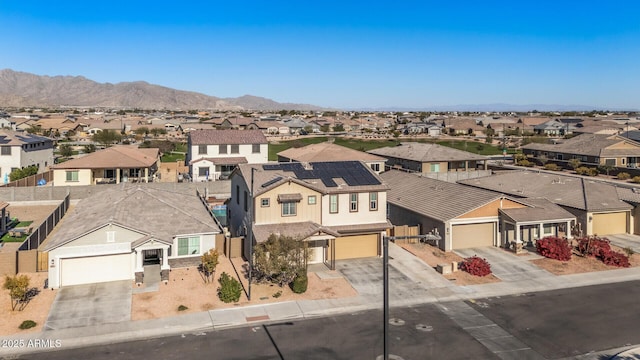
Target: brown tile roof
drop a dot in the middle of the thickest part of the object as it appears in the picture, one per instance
(301, 230)
(575, 192)
(422, 152)
(234, 160)
(327, 151)
(114, 157)
(538, 210)
(436, 199)
(159, 213)
(588, 144)
(361, 228)
(8, 137)
(217, 137)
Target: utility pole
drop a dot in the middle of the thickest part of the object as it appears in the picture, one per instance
(385, 279)
(250, 233)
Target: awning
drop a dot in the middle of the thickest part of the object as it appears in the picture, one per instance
(289, 197)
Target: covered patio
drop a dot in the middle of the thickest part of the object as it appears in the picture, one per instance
(521, 227)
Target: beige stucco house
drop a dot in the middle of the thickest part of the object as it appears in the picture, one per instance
(338, 207)
(109, 166)
(328, 151)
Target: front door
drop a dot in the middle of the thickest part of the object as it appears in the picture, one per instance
(152, 257)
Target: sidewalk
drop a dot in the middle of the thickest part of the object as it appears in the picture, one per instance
(440, 290)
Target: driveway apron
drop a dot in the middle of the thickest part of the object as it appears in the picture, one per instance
(87, 305)
(506, 265)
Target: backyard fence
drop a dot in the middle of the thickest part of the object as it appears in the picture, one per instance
(33, 241)
(31, 180)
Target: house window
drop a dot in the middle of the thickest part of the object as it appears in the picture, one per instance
(353, 202)
(548, 229)
(108, 173)
(434, 167)
(610, 162)
(111, 236)
(238, 194)
(5, 150)
(72, 176)
(288, 209)
(255, 148)
(311, 200)
(333, 204)
(375, 167)
(203, 171)
(246, 201)
(373, 201)
(235, 149)
(189, 246)
(264, 202)
(202, 149)
(222, 149)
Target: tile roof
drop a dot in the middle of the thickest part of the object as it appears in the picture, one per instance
(159, 213)
(232, 160)
(588, 144)
(422, 152)
(360, 228)
(327, 151)
(16, 138)
(629, 195)
(266, 177)
(436, 199)
(539, 210)
(301, 230)
(217, 137)
(114, 157)
(575, 192)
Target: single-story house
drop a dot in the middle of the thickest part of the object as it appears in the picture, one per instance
(119, 234)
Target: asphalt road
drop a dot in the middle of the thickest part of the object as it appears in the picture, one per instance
(555, 324)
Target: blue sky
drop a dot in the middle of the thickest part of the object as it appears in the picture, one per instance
(344, 54)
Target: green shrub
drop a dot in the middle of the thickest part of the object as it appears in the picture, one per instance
(299, 284)
(230, 288)
(583, 170)
(525, 162)
(277, 294)
(552, 167)
(636, 179)
(629, 251)
(182, 308)
(27, 324)
(623, 176)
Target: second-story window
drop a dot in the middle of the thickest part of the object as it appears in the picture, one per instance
(264, 202)
(246, 201)
(5, 150)
(255, 148)
(222, 149)
(235, 149)
(353, 202)
(333, 204)
(289, 209)
(202, 149)
(238, 194)
(373, 201)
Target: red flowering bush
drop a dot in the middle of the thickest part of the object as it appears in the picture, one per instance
(476, 266)
(554, 248)
(600, 248)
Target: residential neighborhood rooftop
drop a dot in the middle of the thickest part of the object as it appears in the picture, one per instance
(113, 157)
(161, 214)
(539, 209)
(424, 152)
(327, 151)
(587, 144)
(8, 137)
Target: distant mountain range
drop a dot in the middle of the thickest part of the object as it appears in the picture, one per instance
(20, 89)
(500, 108)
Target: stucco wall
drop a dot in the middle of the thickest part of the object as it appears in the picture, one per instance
(363, 216)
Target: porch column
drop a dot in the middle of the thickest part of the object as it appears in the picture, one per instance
(165, 258)
(485, 164)
(139, 266)
(569, 236)
(540, 231)
(118, 176)
(517, 233)
(466, 165)
(146, 175)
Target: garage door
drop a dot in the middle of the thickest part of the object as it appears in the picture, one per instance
(472, 235)
(95, 269)
(358, 246)
(611, 223)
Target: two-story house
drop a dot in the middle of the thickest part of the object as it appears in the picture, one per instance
(213, 154)
(338, 207)
(19, 150)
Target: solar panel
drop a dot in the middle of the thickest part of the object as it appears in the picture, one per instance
(354, 173)
(271, 167)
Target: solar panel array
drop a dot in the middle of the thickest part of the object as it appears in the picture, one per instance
(354, 173)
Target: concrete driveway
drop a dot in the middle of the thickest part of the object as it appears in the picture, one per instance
(506, 265)
(87, 305)
(626, 240)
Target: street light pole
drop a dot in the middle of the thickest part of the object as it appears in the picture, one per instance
(250, 234)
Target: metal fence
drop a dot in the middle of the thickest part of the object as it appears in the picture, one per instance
(31, 180)
(40, 233)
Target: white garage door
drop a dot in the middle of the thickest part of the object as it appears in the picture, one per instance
(472, 235)
(95, 269)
